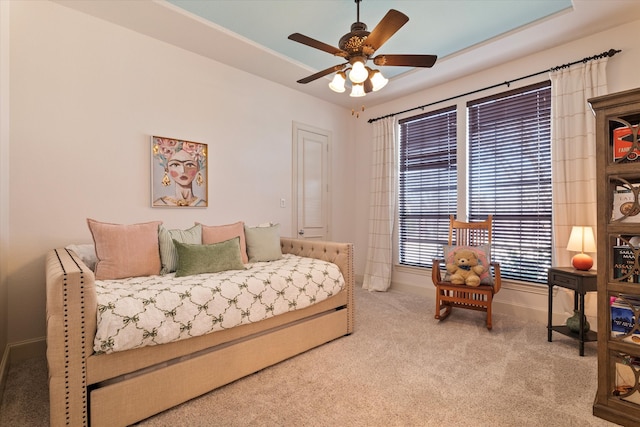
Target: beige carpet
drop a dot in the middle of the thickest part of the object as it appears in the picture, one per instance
(400, 368)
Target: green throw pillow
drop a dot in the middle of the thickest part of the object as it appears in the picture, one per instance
(263, 243)
(212, 258)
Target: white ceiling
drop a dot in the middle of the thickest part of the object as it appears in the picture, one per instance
(467, 35)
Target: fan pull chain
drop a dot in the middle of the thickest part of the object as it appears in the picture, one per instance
(357, 113)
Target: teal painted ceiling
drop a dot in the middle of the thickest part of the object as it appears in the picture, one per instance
(439, 27)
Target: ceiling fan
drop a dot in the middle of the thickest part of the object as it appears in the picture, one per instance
(357, 47)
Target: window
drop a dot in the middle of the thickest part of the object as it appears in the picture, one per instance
(427, 185)
(510, 177)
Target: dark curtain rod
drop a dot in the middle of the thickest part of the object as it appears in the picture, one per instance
(608, 53)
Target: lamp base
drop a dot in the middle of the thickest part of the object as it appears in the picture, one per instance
(582, 262)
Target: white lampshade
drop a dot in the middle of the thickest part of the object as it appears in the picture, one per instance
(358, 73)
(581, 240)
(378, 80)
(357, 90)
(337, 84)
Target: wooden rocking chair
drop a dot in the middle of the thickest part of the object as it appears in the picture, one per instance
(448, 295)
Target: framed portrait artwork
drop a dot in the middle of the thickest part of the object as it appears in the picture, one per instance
(178, 173)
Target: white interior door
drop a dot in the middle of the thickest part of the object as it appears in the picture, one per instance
(311, 184)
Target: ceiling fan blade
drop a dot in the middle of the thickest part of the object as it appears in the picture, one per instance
(322, 73)
(300, 38)
(387, 27)
(368, 86)
(406, 60)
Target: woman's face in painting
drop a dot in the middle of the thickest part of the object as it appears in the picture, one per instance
(182, 168)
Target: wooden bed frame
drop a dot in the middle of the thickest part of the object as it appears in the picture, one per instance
(125, 387)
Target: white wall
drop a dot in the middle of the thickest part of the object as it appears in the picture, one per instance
(85, 97)
(622, 72)
(4, 181)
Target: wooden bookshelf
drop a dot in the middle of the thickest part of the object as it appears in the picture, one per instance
(618, 238)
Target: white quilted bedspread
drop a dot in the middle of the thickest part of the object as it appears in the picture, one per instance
(151, 310)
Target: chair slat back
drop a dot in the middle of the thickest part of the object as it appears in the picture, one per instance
(470, 233)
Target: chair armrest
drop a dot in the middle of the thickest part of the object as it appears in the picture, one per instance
(497, 283)
(436, 276)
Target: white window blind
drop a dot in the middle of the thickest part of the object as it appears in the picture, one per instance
(510, 177)
(427, 185)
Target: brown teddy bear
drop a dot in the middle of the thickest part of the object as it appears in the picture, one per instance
(465, 268)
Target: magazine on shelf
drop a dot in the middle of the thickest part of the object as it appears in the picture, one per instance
(622, 142)
(623, 318)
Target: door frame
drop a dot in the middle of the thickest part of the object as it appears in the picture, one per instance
(296, 128)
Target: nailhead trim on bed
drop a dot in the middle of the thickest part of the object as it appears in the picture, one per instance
(350, 290)
(67, 357)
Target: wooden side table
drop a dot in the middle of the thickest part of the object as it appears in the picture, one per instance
(580, 282)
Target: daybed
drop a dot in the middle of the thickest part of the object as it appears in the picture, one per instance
(121, 388)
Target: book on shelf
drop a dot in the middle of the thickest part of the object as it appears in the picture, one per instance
(624, 261)
(625, 208)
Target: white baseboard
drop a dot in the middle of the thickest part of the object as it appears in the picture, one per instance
(521, 312)
(412, 289)
(517, 311)
(28, 349)
(17, 352)
(535, 313)
(4, 370)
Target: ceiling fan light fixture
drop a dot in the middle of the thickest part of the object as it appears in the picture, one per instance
(337, 84)
(359, 46)
(357, 90)
(358, 73)
(378, 80)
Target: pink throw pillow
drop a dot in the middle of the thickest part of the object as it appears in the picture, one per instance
(220, 233)
(125, 250)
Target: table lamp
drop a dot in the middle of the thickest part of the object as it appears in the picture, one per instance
(581, 240)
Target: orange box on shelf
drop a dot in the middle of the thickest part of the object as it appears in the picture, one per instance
(622, 142)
